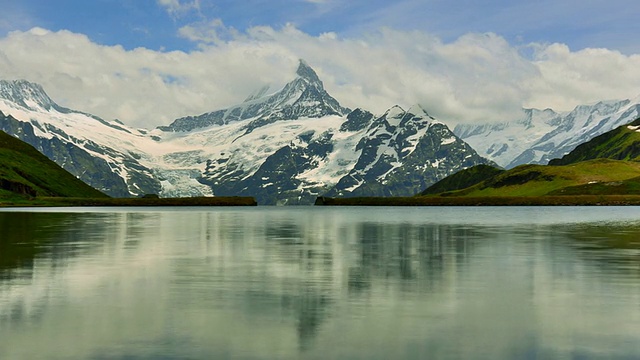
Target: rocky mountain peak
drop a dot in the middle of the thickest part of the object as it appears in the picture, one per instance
(394, 111)
(419, 111)
(306, 72)
(25, 94)
(304, 96)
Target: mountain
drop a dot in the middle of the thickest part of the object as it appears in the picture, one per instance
(294, 161)
(592, 177)
(606, 165)
(25, 172)
(622, 143)
(286, 147)
(103, 154)
(402, 153)
(303, 97)
(542, 135)
(298, 143)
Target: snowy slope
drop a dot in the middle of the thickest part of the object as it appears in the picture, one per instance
(287, 147)
(542, 135)
(116, 159)
(403, 152)
(298, 143)
(103, 154)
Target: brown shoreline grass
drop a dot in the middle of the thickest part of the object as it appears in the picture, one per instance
(577, 200)
(126, 202)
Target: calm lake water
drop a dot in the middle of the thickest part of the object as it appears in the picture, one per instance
(320, 283)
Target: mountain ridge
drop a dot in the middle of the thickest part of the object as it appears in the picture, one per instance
(541, 135)
(608, 164)
(621, 143)
(99, 152)
(287, 147)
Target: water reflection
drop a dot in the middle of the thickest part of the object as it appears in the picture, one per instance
(613, 248)
(317, 283)
(27, 236)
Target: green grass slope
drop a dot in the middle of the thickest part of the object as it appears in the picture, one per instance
(592, 182)
(603, 171)
(622, 143)
(26, 173)
(463, 179)
(593, 177)
(608, 164)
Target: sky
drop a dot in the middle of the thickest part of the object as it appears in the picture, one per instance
(147, 62)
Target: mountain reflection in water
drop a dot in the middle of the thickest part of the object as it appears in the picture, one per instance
(373, 283)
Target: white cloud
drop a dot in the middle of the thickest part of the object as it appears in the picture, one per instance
(179, 7)
(478, 77)
(569, 78)
(211, 32)
(141, 86)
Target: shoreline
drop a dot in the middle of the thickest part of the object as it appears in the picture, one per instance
(563, 200)
(130, 202)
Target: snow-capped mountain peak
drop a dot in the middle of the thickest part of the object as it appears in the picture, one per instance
(286, 147)
(26, 94)
(418, 110)
(394, 112)
(303, 97)
(306, 72)
(104, 154)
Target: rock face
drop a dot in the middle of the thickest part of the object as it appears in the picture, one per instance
(542, 135)
(287, 147)
(100, 153)
(402, 153)
(396, 154)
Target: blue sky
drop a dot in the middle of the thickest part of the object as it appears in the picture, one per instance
(147, 62)
(154, 24)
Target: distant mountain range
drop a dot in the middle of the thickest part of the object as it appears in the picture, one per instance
(285, 147)
(542, 135)
(605, 165)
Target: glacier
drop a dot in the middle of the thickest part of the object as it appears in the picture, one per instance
(285, 147)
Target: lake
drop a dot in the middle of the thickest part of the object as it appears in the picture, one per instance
(320, 283)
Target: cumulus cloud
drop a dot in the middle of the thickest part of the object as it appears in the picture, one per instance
(568, 78)
(478, 77)
(141, 87)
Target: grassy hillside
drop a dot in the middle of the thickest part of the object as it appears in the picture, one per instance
(593, 182)
(609, 164)
(26, 173)
(463, 179)
(603, 171)
(622, 143)
(603, 176)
